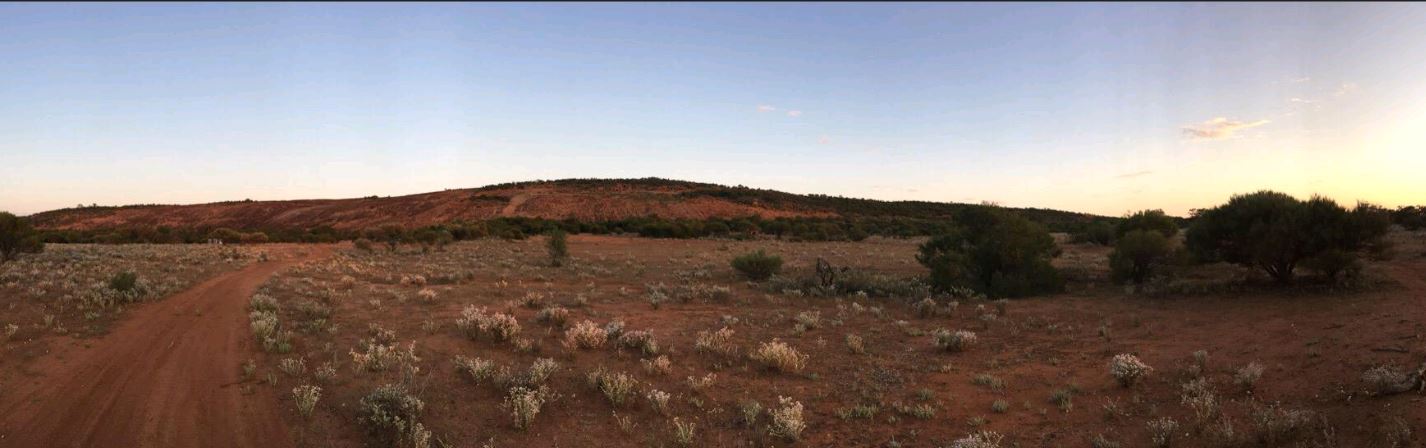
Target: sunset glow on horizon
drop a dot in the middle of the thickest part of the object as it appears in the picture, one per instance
(1097, 108)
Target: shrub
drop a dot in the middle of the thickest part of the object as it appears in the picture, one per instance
(1098, 232)
(779, 356)
(585, 335)
(787, 420)
(556, 316)
(362, 244)
(390, 412)
(262, 302)
(540, 370)
(642, 340)
(1127, 369)
(124, 281)
(1161, 431)
(558, 246)
(1277, 233)
(748, 412)
(1248, 376)
(757, 266)
(1137, 255)
(1199, 397)
(615, 386)
(719, 342)
(994, 252)
(658, 366)
(1384, 380)
(855, 344)
(956, 341)
(1276, 424)
(17, 236)
(658, 400)
(306, 397)
(524, 404)
(226, 235)
(983, 439)
(498, 326)
(479, 370)
(683, 433)
(1149, 221)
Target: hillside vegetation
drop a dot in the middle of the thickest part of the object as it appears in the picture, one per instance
(651, 207)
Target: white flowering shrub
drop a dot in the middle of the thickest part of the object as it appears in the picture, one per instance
(787, 420)
(779, 356)
(1127, 369)
(585, 335)
(953, 341)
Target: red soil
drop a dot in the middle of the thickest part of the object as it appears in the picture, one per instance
(167, 376)
(609, 202)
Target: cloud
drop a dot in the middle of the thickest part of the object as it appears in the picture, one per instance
(1134, 174)
(1301, 100)
(825, 140)
(794, 113)
(1219, 128)
(1347, 88)
(1300, 80)
(766, 108)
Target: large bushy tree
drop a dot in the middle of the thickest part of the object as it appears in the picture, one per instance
(1142, 245)
(17, 236)
(1278, 233)
(995, 252)
(1148, 220)
(1138, 255)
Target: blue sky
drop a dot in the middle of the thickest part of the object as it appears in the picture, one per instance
(1103, 108)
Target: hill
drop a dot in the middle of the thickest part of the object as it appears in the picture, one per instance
(568, 200)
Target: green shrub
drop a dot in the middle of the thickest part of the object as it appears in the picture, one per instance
(994, 252)
(1410, 217)
(123, 281)
(391, 234)
(362, 244)
(17, 237)
(226, 235)
(389, 412)
(757, 266)
(1277, 233)
(1137, 255)
(1098, 232)
(1148, 220)
(558, 247)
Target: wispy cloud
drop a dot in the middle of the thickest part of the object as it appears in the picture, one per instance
(1134, 174)
(794, 113)
(1300, 80)
(1219, 128)
(1301, 100)
(766, 108)
(1347, 88)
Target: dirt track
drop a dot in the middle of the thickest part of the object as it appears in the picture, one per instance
(168, 376)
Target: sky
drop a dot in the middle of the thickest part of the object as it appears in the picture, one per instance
(1099, 108)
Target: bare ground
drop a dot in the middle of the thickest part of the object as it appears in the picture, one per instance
(166, 376)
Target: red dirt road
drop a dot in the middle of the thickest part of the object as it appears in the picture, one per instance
(169, 375)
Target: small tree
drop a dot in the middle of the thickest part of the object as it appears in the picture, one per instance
(1276, 233)
(1098, 232)
(994, 252)
(391, 234)
(558, 246)
(1137, 255)
(757, 266)
(17, 237)
(1150, 220)
(226, 235)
